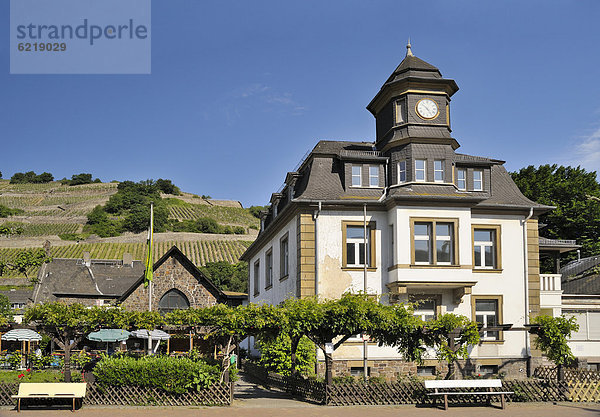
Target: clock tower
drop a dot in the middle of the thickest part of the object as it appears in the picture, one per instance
(413, 105)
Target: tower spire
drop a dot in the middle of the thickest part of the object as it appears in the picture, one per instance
(408, 50)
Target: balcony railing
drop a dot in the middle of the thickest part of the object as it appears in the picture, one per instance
(550, 282)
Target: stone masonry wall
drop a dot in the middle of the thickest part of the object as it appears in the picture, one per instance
(393, 370)
(171, 274)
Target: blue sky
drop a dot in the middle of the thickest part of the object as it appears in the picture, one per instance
(241, 90)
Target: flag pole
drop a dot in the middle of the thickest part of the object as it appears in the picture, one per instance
(150, 256)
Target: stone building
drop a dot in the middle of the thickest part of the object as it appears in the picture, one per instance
(409, 219)
(177, 283)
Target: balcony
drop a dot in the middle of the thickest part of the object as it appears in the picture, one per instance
(550, 291)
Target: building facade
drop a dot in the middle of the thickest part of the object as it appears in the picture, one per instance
(409, 219)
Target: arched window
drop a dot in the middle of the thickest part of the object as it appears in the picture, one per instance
(173, 300)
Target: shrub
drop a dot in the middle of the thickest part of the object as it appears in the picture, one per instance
(276, 355)
(176, 375)
(7, 211)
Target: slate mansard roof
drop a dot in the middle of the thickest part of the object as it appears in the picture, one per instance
(325, 173)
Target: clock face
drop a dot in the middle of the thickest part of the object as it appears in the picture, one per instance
(427, 109)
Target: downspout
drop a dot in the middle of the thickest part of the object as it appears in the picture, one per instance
(366, 260)
(526, 286)
(316, 220)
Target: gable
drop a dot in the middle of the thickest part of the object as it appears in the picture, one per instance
(174, 271)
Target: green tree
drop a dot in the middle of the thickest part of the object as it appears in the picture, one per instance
(451, 335)
(167, 187)
(227, 326)
(276, 355)
(226, 276)
(576, 195)
(79, 179)
(24, 260)
(331, 322)
(255, 210)
(5, 310)
(553, 334)
(67, 325)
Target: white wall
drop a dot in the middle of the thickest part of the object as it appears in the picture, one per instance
(281, 289)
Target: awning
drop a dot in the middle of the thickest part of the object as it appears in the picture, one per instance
(21, 335)
(156, 334)
(109, 335)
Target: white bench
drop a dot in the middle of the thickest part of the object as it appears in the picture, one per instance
(458, 387)
(50, 390)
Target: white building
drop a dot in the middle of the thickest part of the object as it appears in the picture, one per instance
(446, 229)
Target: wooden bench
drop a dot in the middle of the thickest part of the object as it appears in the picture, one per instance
(458, 387)
(51, 390)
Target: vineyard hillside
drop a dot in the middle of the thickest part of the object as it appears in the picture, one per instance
(54, 212)
(199, 252)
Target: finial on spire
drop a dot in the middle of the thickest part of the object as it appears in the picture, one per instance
(408, 50)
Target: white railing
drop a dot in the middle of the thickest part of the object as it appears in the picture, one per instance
(550, 282)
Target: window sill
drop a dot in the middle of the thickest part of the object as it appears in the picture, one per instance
(256, 294)
(358, 268)
(492, 270)
(283, 278)
(269, 287)
(434, 266)
(491, 342)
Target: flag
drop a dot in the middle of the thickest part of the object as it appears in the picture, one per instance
(149, 263)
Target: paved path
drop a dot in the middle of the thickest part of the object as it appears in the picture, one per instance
(247, 394)
(512, 410)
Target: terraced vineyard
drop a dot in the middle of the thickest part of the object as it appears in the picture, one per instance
(44, 229)
(223, 215)
(199, 252)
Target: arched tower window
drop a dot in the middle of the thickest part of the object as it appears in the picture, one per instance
(173, 300)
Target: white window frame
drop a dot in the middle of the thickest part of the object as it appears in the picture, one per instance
(269, 268)
(437, 171)
(478, 183)
(432, 238)
(422, 313)
(462, 180)
(423, 170)
(401, 172)
(256, 277)
(428, 239)
(358, 251)
(284, 257)
(485, 314)
(357, 176)
(374, 179)
(485, 244)
(450, 238)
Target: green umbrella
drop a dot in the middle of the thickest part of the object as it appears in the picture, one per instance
(109, 335)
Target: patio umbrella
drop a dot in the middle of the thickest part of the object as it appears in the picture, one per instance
(109, 335)
(22, 335)
(156, 335)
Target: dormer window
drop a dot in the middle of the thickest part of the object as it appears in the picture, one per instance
(374, 176)
(478, 180)
(461, 179)
(438, 170)
(420, 170)
(401, 172)
(356, 175)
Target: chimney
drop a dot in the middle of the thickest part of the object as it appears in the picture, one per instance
(87, 259)
(127, 259)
